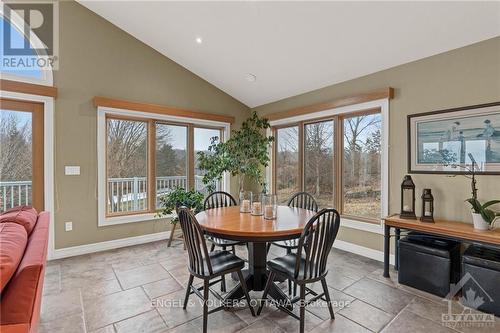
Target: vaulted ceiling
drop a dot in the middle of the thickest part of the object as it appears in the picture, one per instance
(260, 52)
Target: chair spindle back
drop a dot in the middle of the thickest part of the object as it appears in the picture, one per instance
(315, 244)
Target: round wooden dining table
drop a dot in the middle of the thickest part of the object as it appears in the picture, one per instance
(229, 223)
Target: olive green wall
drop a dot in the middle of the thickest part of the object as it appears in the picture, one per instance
(466, 76)
(97, 58)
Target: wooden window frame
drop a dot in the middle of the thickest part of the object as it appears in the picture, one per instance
(338, 153)
(37, 137)
(151, 156)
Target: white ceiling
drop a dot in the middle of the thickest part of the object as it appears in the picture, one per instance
(295, 47)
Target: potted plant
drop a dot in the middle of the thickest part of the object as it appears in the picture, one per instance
(179, 197)
(482, 216)
(245, 154)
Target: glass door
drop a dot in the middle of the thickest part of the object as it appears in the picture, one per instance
(21, 154)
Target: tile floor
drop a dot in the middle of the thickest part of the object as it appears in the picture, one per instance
(141, 288)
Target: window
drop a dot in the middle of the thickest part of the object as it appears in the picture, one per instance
(202, 140)
(147, 158)
(127, 165)
(171, 163)
(287, 162)
(361, 166)
(336, 159)
(319, 162)
(21, 158)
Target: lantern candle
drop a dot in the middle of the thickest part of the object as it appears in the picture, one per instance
(407, 198)
(427, 206)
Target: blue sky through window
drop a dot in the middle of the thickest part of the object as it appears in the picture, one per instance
(17, 40)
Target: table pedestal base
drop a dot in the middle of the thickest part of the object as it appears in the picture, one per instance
(257, 274)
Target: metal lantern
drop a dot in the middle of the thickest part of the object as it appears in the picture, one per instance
(408, 198)
(427, 206)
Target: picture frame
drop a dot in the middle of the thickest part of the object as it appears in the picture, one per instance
(441, 142)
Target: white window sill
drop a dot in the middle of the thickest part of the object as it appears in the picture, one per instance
(107, 221)
(376, 228)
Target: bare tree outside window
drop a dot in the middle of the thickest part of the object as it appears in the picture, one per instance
(361, 166)
(319, 162)
(287, 162)
(171, 158)
(127, 165)
(16, 160)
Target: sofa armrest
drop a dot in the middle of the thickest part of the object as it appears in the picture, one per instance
(20, 303)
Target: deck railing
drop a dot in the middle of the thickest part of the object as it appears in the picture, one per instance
(129, 194)
(124, 194)
(14, 194)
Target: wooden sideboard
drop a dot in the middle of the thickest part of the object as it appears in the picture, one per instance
(449, 229)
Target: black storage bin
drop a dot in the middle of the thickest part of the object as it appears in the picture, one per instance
(481, 274)
(428, 263)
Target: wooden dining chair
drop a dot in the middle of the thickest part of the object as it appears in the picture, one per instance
(217, 200)
(302, 200)
(207, 265)
(308, 265)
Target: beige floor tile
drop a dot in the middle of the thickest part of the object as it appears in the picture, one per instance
(408, 322)
(366, 315)
(290, 324)
(170, 308)
(221, 322)
(107, 329)
(338, 281)
(141, 275)
(340, 325)
(263, 326)
(92, 288)
(149, 322)
(338, 298)
(60, 305)
(380, 295)
(105, 310)
(66, 324)
(162, 287)
(432, 310)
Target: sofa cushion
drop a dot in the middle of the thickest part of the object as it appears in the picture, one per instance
(13, 239)
(20, 302)
(23, 215)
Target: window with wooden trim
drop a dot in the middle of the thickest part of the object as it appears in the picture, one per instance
(337, 159)
(147, 158)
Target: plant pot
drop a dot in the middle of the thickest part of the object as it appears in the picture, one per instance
(479, 222)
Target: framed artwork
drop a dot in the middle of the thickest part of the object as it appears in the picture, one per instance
(445, 141)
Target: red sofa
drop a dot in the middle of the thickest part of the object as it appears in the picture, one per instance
(23, 254)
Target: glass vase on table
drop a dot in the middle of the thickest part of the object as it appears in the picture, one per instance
(246, 201)
(270, 206)
(257, 208)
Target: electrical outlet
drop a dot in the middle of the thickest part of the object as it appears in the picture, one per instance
(68, 226)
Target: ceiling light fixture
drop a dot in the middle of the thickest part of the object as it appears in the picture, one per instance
(199, 40)
(250, 77)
